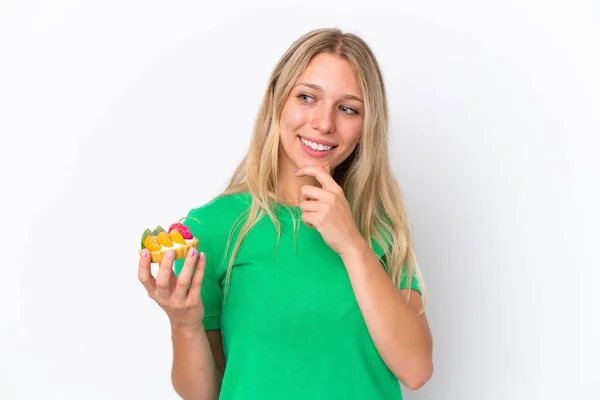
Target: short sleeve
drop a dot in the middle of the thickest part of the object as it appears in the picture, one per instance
(404, 284)
(211, 291)
(414, 284)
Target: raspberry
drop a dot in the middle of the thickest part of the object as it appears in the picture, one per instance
(175, 226)
(184, 230)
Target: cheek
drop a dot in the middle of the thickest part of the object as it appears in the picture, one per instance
(292, 118)
(352, 132)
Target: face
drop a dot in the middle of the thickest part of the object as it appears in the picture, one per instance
(321, 120)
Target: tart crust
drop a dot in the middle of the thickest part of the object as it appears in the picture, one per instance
(180, 252)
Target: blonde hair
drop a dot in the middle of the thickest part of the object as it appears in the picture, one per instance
(366, 176)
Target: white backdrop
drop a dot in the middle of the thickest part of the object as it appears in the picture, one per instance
(121, 115)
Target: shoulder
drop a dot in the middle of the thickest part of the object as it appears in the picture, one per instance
(218, 216)
(222, 207)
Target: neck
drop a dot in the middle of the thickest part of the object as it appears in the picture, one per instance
(289, 185)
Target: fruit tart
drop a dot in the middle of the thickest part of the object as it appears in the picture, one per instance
(178, 238)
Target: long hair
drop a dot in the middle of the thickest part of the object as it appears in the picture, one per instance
(374, 195)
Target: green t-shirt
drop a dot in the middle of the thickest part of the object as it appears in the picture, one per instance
(290, 323)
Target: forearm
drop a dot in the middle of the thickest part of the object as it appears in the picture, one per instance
(194, 374)
(401, 336)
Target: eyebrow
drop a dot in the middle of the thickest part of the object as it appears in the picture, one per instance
(320, 89)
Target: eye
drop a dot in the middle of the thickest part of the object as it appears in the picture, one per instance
(305, 98)
(348, 110)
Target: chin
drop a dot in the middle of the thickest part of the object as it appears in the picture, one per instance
(312, 163)
(304, 160)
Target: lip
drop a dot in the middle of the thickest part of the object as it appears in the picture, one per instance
(318, 141)
(314, 153)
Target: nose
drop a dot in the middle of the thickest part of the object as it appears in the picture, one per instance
(323, 120)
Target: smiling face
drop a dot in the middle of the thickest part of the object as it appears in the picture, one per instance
(322, 118)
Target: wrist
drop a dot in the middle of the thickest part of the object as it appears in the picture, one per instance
(185, 330)
(355, 248)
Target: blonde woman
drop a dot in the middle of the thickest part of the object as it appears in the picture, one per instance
(306, 284)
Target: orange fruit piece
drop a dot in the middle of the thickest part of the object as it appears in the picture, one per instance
(151, 243)
(176, 237)
(165, 239)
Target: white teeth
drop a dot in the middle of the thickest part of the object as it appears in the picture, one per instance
(316, 146)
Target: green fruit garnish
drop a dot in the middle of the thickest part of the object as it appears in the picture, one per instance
(158, 230)
(146, 233)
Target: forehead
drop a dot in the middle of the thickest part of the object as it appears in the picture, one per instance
(334, 74)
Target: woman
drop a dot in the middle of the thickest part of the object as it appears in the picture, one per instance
(306, 286)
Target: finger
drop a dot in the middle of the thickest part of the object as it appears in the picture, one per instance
(312, 206)
(309, 192)
(165, 276)
(322, 175)
(311, 219)
(145, 274)
(185, 276)
(197, 278)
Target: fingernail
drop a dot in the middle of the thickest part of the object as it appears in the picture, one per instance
(170, 254)
(202, 256)
(192, 252)
(145, 253)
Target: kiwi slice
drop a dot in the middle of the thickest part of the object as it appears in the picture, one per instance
(146, 233)
(158, 230)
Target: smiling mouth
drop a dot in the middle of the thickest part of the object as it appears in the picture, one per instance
(316, 146)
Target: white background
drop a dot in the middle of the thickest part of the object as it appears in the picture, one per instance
(121, 115)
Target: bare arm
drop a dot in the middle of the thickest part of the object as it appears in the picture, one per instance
(198, 363)
(402, 337)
